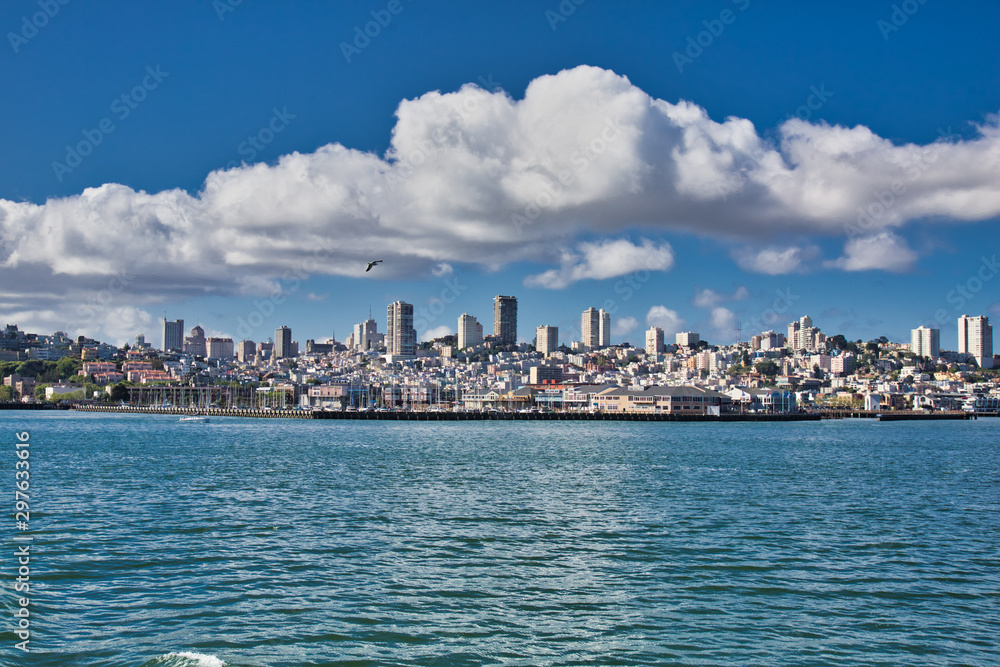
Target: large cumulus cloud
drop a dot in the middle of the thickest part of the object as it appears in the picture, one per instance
(479, 178)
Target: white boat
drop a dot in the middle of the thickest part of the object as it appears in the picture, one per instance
(194, 418)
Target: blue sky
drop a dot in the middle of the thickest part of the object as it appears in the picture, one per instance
(244, 161)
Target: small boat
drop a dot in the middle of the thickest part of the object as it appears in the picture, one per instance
(199, 419)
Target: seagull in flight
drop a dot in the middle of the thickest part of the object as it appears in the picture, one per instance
(371, 264)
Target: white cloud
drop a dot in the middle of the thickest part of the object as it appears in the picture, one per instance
(707, 298)
(436, 332)
(723, 323)
(885, 251)
(623, 326)
(776, 261)
(605, 259)
(666, 319)
(585, 154)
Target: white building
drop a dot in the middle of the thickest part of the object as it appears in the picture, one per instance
(470, 331)
(590, 327)
(366, 336)
(546, 339)
(687, 338)
(604, 328)
(654, 341)
(975, 338)
(925, 342)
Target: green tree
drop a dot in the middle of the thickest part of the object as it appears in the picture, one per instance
(119, 392)
(6, 393)
(67, 367)
(768, 368)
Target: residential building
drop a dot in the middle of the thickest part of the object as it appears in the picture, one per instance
(604, 328)
(590, 326)
(470, 331)
(400, 336)
(282, 342)
(654, 341)
(173, 335)
(545, 374)
(687, 338)
(546, 339)
(975, 339)
(219, 348)
(505, 319)
(245, 351)
(925, 342)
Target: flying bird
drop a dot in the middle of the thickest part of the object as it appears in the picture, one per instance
(371, 264)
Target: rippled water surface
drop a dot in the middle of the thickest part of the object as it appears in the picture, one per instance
(285, 542)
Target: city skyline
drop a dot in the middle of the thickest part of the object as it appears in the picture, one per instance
(652, 161)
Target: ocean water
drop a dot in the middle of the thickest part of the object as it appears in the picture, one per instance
(287, 542)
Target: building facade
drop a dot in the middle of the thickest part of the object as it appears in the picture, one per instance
(195, 344)
(546, 339)
(400, 336)
(654, 341)
(925, 342)
(975, 339)
(590, 328)
(604, 328)
(470, 331)
(505, 319)
(282, 342)
(173, 335)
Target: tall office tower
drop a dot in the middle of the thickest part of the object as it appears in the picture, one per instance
(975, 338)
(245, 351)
(365, 335)
(546, 339)
(505, 319)
(590, 328)
(400, 336)
(925, 342)
(654, 341)
(604, 334)
(470, 331)
(282, 342)
(195, 344)
(173, 335)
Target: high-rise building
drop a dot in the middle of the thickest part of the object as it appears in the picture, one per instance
(173, 335)
(245, 351)
(802, 335)
(505, 319)
(546, 339)
(400, 336)
(590, 328)
(687, 338)
(975, 339)
(366, 335)
(654, 341)
(282, 342)
(219, 348)
(470, 331)
(195, 344)
(604, 333)
(925, 342)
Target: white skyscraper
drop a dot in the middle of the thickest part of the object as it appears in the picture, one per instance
(604, 332)
(925, 342)
(470, 331)
(546, 339)
(590, 328)
(400, 336)
(366, 335)
(975, 338)
(654, 341)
